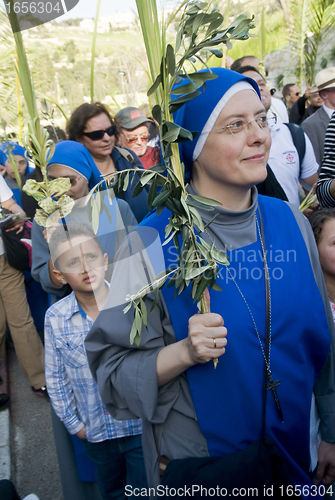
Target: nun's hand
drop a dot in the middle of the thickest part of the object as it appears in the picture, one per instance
(48, 231)
(325, 470)
(206, 337)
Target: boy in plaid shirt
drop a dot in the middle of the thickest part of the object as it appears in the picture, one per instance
(114, 446)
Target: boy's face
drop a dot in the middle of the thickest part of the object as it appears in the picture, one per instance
(81, 264)
(20, 163)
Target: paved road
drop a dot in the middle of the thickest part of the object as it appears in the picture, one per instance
(34, 461)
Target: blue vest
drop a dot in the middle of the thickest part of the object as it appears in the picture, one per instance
(228, 400)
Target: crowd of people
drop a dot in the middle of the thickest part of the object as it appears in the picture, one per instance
(124, 414)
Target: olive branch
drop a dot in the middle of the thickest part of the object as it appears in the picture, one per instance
(198, 36)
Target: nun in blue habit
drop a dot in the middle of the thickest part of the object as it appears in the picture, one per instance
(188, 408)
(72, 160)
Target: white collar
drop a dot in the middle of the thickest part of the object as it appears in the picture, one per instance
(328, 110)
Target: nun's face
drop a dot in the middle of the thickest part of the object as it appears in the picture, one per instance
(103, 147)
(79, 185)
(237, 160)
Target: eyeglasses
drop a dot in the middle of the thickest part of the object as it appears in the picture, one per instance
(97, 135)
(134, 138)
(239, 125)
(73, 180)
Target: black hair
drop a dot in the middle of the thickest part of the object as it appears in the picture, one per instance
(244, 69)
(72, 230)
(80, 116)
(286, 89)
(318, 219)
(239, 62)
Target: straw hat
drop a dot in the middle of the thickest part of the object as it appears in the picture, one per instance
(325, 79)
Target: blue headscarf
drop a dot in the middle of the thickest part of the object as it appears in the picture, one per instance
(3, 158)
(194, 114)
(15, 149)
(74, 155)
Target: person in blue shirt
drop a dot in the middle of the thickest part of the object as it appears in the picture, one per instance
(114, 446)
(19, 153)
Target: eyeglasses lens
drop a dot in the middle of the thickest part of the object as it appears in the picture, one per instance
(133, 138)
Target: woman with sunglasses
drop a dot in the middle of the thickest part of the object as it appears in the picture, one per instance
(93, 126)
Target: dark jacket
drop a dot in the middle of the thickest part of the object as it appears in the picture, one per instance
(315, 127)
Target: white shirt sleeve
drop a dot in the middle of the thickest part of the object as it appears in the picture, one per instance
(279, 108)
(309, 165)
(5, 192)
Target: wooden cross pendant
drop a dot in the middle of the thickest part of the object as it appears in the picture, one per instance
(272, 385)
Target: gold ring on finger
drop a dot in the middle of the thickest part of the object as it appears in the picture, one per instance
(214, 341)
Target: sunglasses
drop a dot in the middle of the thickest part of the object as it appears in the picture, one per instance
(133, 138)
(97, 135)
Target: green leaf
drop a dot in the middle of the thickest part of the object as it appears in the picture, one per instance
(201, 288)
(187, 88)
(154, 86)
(176, 242)
(158, 168)
(159, 209)
(95, 217)
(196, 204)
(219, 257)
(161, 197)
(198, 21)
(127, 308)
(216, 287)
(144, 312)
(204, 243)
(172, 134)
(154, 302)
(133, 332)
(185, 207)
(202, 76)
(206, 201)
(169, 238)
(137, 189)
(146, 177)
(152, 193)
(109, 217)
(170, 60)
(185, 98)
(210, 222)
(138, 320)
(196, 271)
(126, 182)
(215, 24)
(216, 52)
(157, 114)
(179, 39)
(197, 219)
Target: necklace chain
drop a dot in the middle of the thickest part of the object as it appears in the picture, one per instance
(272, 384)
(266, 357)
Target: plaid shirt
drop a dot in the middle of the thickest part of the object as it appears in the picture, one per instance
(73, 392)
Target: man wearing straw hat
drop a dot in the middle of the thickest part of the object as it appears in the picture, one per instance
(315, 126)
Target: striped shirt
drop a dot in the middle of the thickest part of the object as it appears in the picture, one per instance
(327, 172)
(73, 392)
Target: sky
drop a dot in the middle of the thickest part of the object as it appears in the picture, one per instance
(87, 8)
